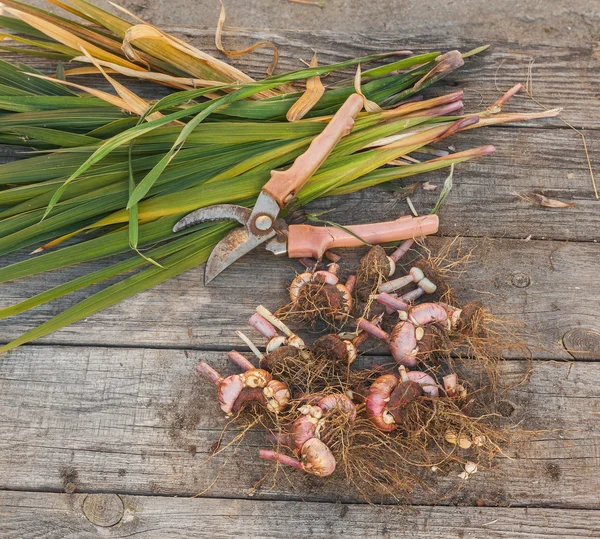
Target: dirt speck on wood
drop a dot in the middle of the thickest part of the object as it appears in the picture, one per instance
(184, 412)
(552, 471)
(70, 479)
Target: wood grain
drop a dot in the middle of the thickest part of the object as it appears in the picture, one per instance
(137, 421)
(54, 516)
(183, 314)
(120, 420)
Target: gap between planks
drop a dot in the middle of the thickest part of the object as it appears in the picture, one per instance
(246, 350)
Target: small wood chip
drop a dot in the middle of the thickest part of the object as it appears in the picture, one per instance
(552, 202)
(543, 200)
(412, 207)
(309, 3)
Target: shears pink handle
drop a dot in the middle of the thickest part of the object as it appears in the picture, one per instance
(285, 184)
(312, 241)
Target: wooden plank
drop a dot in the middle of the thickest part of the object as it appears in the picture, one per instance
(487, 197)
(137, 421)
(563, 74)
(54, 516)
(552, 287)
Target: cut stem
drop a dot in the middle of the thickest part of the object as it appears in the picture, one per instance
(350, 283)
(396, 284)
(262, 325)
(401, 250)
(204, 369)
(393, 303)
(268, 454)
(250, 345)
(413, 295)
(241, 361)
(373, 330)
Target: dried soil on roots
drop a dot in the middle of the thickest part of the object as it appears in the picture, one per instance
(438, 437)
(318, 305)
(307, 373)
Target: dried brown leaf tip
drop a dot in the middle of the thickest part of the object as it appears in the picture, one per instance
(241, 52)
(552, 202)
(370, 106)
(312, 95)
(543, 200)
(428, 186)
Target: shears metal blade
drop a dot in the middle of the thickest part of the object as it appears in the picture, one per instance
(260, 223)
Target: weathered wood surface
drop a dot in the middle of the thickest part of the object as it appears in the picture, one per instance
(133, 423)
(55, 516)
(552, 287)
(137, 421)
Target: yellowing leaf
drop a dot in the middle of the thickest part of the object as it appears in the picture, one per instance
(247, 50)
(183, 56)
(314, 92)
(370, 106)
(67, 38)
(101, 17)
(184, 83)
(135, 33)
(105, 96)
(85, 70)
(71, 9)
(42, 44)
(135, 104)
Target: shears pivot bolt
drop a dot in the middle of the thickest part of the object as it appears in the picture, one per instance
(263, 222)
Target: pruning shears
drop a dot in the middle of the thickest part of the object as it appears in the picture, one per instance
(263, 225)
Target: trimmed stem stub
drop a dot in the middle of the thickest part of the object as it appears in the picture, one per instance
(241, 361)
(401, 250)
(412, 296)
(204, 369)
(350, 283)
(393, 303)
(262, 325)
(373, 330)
(268, 454)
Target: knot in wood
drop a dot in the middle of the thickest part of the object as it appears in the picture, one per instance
(520, 280)
(582, 343)
(103, 510)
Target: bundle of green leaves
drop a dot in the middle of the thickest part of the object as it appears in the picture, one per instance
(123, 169)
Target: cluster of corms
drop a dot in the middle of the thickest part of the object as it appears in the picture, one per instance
(304, 418)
